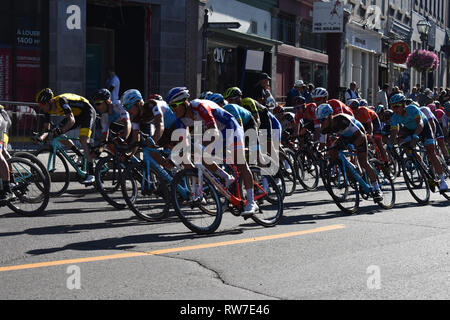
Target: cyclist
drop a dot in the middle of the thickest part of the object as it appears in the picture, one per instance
(307, 113)
(371, 123)
(234, 96)
(110, 113)
(287, 120)
(351, 131)
(78, 112)
(320, 96)
(215, 118)
(436, 129)
(5, 187)
(415, 127)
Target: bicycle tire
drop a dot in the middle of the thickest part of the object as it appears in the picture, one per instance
(36, 161)
(106, 170)
(22, 180)
(149, 204)
(288, 171)
(60, 174)
(269, 214)
(309, 177)
(203, 220)
(408, 166)
(386, 185)
(335, 180)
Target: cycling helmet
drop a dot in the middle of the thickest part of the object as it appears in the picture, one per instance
(437, 104)
(298, 100)
(44, 96)
(379, 108)
(414, 103)
(388, 113)
(278, 109)
(130, 98)
(432, 107)
(156, 97)
(101, 95)
(363, 103)
(232, 93)
(250, 105)
(177, 94)
(215, 97)
(323, 111)
(439, 113)
(396, 98)
(204, 94)
(319, 93)
(447, 106)
(353, 103)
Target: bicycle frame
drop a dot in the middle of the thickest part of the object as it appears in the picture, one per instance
(56, 146)
(348, 166)
(236, 201)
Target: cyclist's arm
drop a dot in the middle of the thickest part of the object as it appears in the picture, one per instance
(419, 126)
(159, 127)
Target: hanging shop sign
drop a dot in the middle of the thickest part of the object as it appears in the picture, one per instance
(398, 53)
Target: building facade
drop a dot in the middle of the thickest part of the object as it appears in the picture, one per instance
(69, 45)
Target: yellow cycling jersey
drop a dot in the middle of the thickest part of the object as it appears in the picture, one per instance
(67, 103)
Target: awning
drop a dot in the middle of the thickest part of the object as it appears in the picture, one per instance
(244, 39)
(303, 54)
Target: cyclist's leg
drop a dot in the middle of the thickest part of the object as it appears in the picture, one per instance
(87, 123)
(5, 190)
(428, 140)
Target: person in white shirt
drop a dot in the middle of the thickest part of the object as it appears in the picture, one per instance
(383, 96)
(113, 85)
(351, 93)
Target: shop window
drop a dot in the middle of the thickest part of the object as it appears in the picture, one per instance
(20, 49)
(320, 75)
(306, 71)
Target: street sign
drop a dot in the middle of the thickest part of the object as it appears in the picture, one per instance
(223, 25)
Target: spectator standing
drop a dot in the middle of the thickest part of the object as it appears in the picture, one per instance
(113, 85)
(261, 92)
(307, 92)
(296, 91)
(414, 94)
(351, 93)
(383, 96)
(425, 98)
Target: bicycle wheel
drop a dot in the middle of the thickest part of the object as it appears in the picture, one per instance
(268, 197)
(35, 160)
(309, 176)
(57, 168)
(107, 181)
(29, 186)
(386, 185)
(288, 171)
(344, 192)
(145, 193)
(202, 216)
(416, 181)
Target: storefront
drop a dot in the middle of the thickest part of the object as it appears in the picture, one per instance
(362, 52)
(312, 67)
(236, 59)
(23, 43)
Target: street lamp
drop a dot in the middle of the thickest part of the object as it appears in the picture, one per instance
(423, 26)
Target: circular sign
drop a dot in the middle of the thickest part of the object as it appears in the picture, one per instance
(398, 53)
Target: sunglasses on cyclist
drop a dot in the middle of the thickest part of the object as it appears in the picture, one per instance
(175, 105)
(396, 105)
(97, 103)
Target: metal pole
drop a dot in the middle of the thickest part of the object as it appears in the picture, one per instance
(205, 51)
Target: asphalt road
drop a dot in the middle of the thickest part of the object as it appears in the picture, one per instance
(81, 248)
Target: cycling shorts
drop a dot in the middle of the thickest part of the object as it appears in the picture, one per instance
(85, 121)
(426, 136)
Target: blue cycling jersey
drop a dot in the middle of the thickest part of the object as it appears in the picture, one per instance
(276, 125)
(239, 112)
(409, 120)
